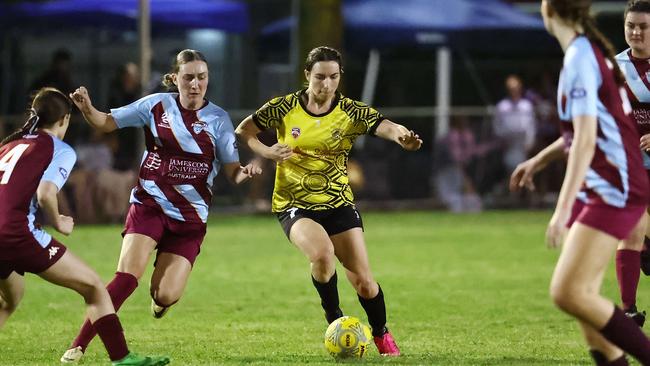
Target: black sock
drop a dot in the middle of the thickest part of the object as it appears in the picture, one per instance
(329, 298)
(376, 310)
(599, 358)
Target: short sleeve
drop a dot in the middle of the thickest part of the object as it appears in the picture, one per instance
(226, 142)
(61, 165)
(581, 84)
(361, 113)
(270, 114)
(135, 114)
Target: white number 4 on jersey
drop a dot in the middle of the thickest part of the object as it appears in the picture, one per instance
(8, 162)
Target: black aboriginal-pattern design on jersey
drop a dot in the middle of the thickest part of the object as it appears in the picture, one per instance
(272, 113)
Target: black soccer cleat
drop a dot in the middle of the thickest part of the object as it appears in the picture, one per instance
(331, 317)
(637, 316)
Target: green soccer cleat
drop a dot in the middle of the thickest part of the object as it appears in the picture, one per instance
(133, 359)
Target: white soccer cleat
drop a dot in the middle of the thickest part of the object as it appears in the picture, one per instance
(72, 355)
(158, 311)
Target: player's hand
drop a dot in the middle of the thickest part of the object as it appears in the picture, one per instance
(64, 225)
(81, 98)
(523, 174)
(556, 230)
(409, 140)
(279, 152)
(645, 142)
(252, 168)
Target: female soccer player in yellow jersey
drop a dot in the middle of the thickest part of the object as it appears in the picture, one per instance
(316, 128)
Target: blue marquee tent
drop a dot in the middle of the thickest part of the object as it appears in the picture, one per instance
(227, 15)
(385, 23)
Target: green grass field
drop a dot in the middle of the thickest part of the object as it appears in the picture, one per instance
(460, 290)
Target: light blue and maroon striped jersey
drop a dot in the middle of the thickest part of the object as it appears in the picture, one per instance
(184, 153)
(637, 85)
(24, 164)
(587, 88)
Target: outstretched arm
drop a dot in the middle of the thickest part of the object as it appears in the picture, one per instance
(247, 133)
(399, 134)
(47, 201)
(523, 174)
(99, 120)
(238, 174)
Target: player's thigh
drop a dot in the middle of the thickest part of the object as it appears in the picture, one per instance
(350, 249)
(583, 261)
(636, 238)
(310, 237)
(12, 289)
(71, 272)
(170, 274)
(135, 253)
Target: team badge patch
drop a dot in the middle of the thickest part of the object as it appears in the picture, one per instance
(198, 126)
(295, 132)
(577, 93)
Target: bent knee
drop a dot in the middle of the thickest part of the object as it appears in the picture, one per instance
(323, 256)
(366, 287)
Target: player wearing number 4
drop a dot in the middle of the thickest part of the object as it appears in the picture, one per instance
(34, 165)
(316, 128)
(188, 141)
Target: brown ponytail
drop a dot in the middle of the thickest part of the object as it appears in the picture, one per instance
(48, 106)
(577, 12)
(183, 57)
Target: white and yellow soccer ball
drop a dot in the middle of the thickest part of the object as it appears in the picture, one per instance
(347, 337)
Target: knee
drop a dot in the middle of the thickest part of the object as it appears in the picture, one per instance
(365, 286)
(9, 306)
(568, 298)
(91, 287)
(323, 257)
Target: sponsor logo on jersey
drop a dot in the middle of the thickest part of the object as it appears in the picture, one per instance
(164, 121)
(153, 161)
(64, 173)
(295, 132)
(577, 93)
(53, 251)
(198, 126)
(180, 168)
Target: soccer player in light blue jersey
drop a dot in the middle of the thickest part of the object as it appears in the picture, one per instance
(605, 188)
(189, 140)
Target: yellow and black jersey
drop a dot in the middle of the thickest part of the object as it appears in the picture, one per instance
(315, 177)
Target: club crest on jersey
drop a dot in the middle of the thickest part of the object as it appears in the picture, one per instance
(198, 126)
(577, 93)
(295, 132)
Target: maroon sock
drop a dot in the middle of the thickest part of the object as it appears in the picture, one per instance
(626, 335)
(120, 288)
(628, 270)
(112, 335)
(621, 361)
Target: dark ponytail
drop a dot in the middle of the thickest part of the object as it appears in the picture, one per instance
(577, 12)
(48, 106)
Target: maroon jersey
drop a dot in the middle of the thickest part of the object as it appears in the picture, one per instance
(24, 163)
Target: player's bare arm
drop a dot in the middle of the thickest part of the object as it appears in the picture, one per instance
(99, 120)
(399, 134)
(46, 195)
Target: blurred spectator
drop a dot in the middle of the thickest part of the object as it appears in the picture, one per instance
(514, 124)
(455, 155)
(58, 74)
(100, 192)
(125, 88)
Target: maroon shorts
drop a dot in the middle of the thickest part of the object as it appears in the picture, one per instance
(617, 222)
(27, 255)
(171, 236)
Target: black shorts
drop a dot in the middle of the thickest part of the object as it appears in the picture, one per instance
(333, 220)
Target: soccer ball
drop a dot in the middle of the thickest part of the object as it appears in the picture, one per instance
(347, 337)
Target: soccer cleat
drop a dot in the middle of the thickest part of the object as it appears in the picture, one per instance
(158, 311)
(637, 316)
(331, 317)
(72, 355)
(386, 344)
(133, 359)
